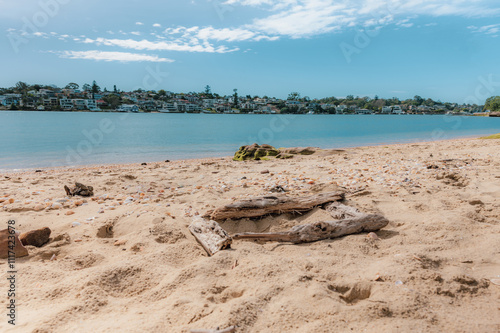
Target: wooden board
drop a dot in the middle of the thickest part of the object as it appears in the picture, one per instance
(210, 235)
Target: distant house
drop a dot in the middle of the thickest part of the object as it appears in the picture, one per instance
(209, 103)
(79, 104)
(341, 108)
(92, 105)
(386, 109)
(396, 109)
(191, 107)
(363, 111)
(169, 107)
(10, 99)
(128, 108)
(66, 104)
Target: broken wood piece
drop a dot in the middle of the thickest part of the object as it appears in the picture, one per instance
(339, 211)
(210, 235)
(321, 230)
(272, 204)
(230, 329)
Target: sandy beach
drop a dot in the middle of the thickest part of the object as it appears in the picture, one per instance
(125, 261)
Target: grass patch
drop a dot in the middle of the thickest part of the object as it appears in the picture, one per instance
(494, 136)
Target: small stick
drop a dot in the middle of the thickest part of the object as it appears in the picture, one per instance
(230, 329)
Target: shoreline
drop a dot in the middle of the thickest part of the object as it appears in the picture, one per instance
(110, 165)
(129, 244)
(477, 114)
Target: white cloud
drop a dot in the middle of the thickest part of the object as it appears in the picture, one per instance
(139, 23)
(492, 29)
(310, 18)
(211, 33)
(136, 33)
(303, 18)
(111, 56)
(157, 25)
(160, 45)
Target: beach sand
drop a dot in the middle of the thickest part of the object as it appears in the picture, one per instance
(433, 268)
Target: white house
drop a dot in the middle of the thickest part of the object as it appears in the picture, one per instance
(66, 104)
(341, 108)
(79, 104)
(128, 108)
(192, 107)
(92, 105)
(396, 109)
(387, 109)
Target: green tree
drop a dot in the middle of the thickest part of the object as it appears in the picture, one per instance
(235, 97)
(114, 89)
(418, 100)
(95, 89)
(72, 85)
(21, 87)
(492, 103)
(113, 100)
(86, 87)
(293, 96)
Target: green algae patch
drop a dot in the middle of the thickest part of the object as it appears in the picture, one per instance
(255, 152)
(494, 136)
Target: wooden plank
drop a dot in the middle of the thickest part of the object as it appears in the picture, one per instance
(321, 230)
(210, 235)
(272, 204)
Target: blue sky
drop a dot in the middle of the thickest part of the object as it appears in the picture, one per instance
(445, 50)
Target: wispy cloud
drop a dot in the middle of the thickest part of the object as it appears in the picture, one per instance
(492, 29)
(111, 56)
(303, 18)
(157, 25)
(212, 34)
(160, 45)
(139, 23)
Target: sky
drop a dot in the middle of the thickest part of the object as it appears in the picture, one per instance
(445, 50)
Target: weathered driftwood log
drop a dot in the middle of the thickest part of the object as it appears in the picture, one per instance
(321, 230)
(272, 204)
(210, 235)
(230, 329)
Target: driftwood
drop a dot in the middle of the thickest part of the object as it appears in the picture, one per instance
(210, 235)
(230, 329)
(340, 211)
(320, 230)
(349, 221)
(260, 206)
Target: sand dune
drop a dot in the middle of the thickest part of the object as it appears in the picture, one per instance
(126, 262)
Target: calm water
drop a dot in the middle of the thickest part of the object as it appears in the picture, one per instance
(45, 139)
